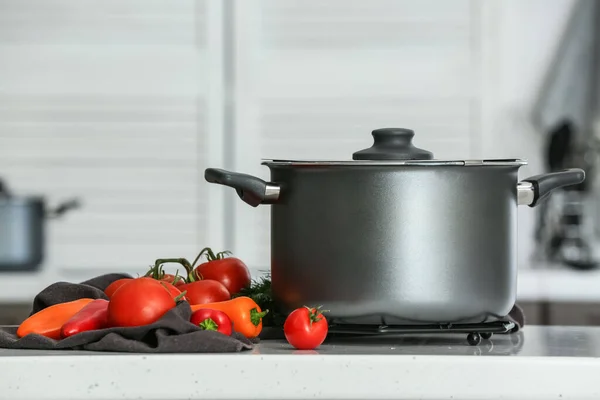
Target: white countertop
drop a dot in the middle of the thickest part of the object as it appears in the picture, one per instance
(537, 363)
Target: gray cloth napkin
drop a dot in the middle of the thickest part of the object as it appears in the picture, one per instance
(173, 333)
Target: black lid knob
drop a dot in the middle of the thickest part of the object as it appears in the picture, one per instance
(392, 144)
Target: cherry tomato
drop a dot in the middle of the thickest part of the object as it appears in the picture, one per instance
(112, 288)
(205, 291)
(139, 302)
(230, 271)
(305, 328)
(213, 320)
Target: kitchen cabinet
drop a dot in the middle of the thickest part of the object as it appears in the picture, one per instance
(533, 313)
(579, 314)
(555, 295)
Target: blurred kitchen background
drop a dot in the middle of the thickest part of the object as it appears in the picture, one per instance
(122, 104)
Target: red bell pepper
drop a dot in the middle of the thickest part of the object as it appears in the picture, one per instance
(93, 316)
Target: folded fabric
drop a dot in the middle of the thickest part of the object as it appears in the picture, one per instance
(172, 333)
(61, 292)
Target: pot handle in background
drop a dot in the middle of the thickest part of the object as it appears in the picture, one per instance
(251, 189)
(531, 190)
(62, 208)
(4, 191)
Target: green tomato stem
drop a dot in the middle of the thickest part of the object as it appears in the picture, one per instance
(182, 261)
(315, 314)
(208, 252)
(257, 316)
(208, 325)
(180, 296)
(210, 255)
(155, 272)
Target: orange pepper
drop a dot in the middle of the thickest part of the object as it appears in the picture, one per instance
(245, 314)
(49, 321)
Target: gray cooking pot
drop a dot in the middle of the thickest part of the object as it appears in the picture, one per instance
(22, 229)
(395, 236)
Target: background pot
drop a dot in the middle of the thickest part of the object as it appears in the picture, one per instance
(395, 236)
(22, 229)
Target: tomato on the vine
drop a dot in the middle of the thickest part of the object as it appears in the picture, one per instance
(175, 280)
(176, 291)
(205, 291)
(305, 328)
(230, 271)
(112, 288)
(140, 302)
(156, 272)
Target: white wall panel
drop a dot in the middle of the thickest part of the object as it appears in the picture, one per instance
(314, 78)
(117, 103)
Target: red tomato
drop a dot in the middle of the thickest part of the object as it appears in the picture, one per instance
(170, 278)
(141, 301)
(230, 271)
(175, 291)
(112, 288)
(156, 272)
(305, 328)
(212, 320)
(205, 291)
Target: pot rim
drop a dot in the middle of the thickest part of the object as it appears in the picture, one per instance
(396, 163)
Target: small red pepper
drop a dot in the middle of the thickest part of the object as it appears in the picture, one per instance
(93, 316)
(212, 320)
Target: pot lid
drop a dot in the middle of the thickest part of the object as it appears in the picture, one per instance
(393, 146)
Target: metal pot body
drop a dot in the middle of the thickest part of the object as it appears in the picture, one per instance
(22, 222)
(395, 236)
(396, 245)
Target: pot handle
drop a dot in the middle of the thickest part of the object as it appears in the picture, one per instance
(251, 189)
(532, 190)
